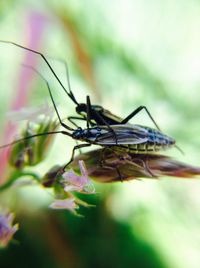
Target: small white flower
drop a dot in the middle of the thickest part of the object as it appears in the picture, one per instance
(68, 203)
(78, 183)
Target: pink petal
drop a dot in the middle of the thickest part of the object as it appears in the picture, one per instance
(7, 230)
(68, 203)
(74, 182)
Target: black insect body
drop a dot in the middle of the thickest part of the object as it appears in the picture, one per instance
(133, 138)
(98, 115)
(93, 114)
(130, 139)
(87, 134)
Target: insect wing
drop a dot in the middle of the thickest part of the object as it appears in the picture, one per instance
(109, 117)
(123, 134)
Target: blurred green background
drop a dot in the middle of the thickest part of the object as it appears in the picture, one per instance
(123, 54)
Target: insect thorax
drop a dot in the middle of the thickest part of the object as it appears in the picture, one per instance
(86, 134)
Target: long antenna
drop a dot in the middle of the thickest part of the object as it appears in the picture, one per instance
(51, 96)
(68, 81)
(34, 136)
(71, 95)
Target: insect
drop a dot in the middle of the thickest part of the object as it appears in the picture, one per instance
(92, 114)
(130, 138)
(103, 128)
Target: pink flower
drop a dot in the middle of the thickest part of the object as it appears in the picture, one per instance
(7, 229)
(36, 24)
(68, 203)
(78, 183)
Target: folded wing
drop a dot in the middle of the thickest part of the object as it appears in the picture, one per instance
(122, 134)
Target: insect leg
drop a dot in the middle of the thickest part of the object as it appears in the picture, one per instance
(144, 163)
(103, 162)
(124, 121)
(90, 110)
(72, 118)
(95, 113)
(73, 152)
(136, 111)
(62, 124)
(119, 174)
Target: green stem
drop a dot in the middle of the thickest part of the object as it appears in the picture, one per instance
(15, 176)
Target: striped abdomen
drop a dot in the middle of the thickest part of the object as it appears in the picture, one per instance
(156, 141)
(126, 137)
